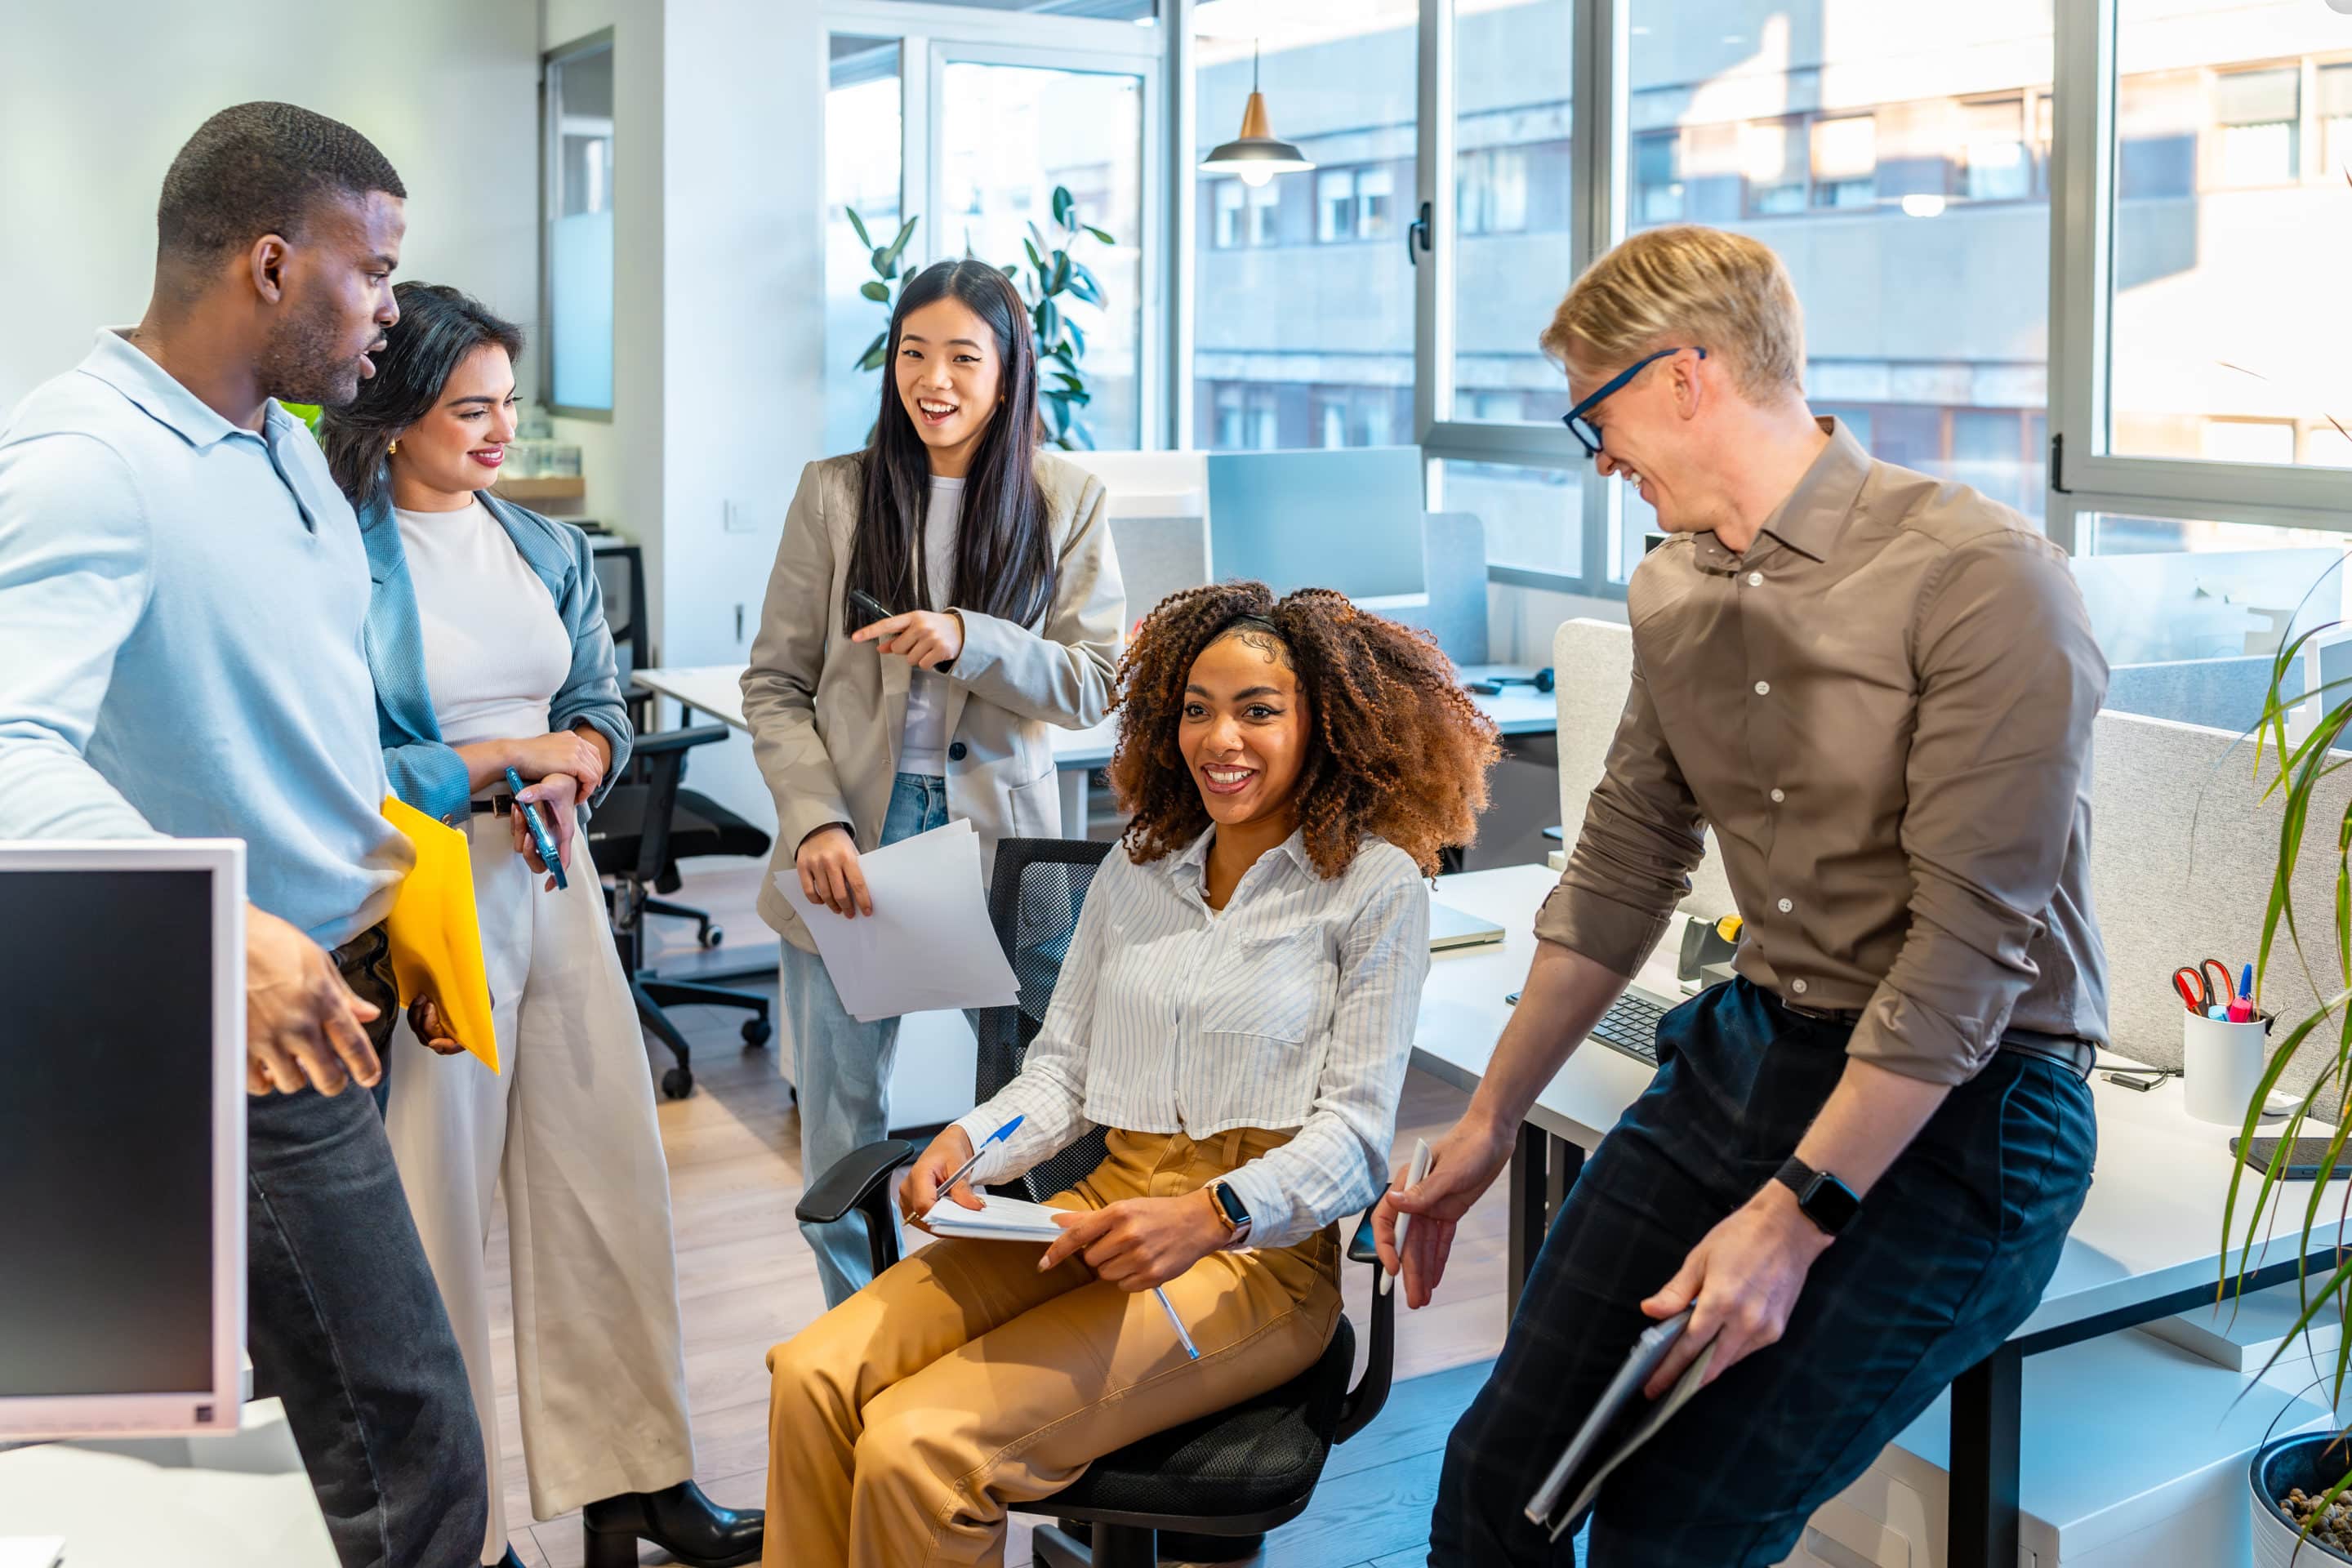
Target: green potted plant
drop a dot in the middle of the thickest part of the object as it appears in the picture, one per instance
(2296, 1482)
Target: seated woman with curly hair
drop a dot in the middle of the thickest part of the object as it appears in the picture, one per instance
(1237, 1008)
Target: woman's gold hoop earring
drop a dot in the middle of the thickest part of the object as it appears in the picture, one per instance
(392, 450)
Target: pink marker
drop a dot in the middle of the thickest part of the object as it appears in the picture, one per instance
(2242, 1006)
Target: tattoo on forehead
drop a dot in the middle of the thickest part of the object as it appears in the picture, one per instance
(1269, 645)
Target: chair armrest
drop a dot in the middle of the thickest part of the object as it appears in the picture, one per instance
(1365, 1401)
(853, 1179)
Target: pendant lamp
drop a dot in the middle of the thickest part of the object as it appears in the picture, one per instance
(1256, 155)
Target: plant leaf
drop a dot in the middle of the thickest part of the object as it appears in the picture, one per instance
(1049, 321)
(899, 245)
(857, 226)
(1061, 279)
(1077, 341)
(1082, 286)
(1064, 205)
(875, 291)
(1036, 259)
(872, 358)
(1100, 235)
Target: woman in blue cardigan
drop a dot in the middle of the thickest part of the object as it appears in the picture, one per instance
(487, 636)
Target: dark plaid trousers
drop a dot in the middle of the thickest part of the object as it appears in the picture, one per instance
(1949, 1254)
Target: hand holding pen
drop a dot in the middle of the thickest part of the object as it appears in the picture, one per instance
(926, 1184)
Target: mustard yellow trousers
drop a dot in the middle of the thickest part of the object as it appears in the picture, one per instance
(904, 1423)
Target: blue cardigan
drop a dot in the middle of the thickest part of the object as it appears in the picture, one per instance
(425, 773)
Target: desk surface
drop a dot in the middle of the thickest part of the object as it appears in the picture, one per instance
(2151, 1226)
(228, 1500)
(714, 688)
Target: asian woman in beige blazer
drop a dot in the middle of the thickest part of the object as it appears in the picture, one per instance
(994, 562)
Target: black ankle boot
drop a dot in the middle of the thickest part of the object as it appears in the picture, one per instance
(680, 1520)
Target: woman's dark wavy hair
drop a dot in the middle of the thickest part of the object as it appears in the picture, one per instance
(1396, 748)
(1005, 549)
(438, 326)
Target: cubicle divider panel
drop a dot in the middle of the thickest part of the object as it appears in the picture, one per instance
(2182, 847)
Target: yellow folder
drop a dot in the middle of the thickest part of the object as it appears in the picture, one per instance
(437, 937)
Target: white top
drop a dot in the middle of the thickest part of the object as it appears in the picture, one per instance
(1293, 1007)
(496, 650)
(923, 743)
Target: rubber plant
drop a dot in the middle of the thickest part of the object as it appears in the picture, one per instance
(1053, 276)
(885, 260)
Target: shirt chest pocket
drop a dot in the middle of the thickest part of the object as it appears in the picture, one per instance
(1279, 986)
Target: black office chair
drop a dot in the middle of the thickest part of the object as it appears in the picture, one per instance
(1218, 1483)
(630, 838)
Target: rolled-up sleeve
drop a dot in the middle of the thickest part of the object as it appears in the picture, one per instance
(2009, 680)
(1337, 1162)
(1641, 840)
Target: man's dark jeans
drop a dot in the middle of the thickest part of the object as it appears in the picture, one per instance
(345, 1324)
(1949, 1254)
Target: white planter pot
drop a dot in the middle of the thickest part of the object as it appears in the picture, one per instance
(2314, 1462)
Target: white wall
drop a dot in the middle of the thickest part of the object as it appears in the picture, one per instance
(96, 99)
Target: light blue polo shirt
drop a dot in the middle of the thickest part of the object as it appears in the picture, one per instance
(181, 612)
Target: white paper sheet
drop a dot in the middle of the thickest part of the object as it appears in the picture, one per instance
(1003, 1219)
(928, 943)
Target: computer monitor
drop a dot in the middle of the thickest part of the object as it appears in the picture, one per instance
(121, 1136)
(1346, 519)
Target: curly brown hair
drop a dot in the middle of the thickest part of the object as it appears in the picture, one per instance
(1396, 750)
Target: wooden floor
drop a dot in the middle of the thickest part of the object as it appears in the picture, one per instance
(747, 1280)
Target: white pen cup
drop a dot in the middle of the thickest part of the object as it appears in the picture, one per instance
(2221, 1066)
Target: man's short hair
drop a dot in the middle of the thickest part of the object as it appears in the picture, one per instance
(257, 169)
(1687, 285)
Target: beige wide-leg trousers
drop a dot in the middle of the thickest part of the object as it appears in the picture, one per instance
(569, 1125)
(902, 1423)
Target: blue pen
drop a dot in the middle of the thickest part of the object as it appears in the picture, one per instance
(998, 1136)
(1178, 1323)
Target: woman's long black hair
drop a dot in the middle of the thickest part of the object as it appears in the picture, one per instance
(438, 326)
(1004, 551)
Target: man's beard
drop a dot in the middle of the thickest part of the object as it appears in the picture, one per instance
(304, 361)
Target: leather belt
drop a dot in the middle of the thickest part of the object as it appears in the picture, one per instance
(501, 803)
(2076, 1055)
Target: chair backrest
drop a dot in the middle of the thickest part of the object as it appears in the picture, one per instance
(621, 574)
(1033, 903)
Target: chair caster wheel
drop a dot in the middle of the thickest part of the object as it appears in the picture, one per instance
(712, 936)
(756, 1033)
(677, 1083)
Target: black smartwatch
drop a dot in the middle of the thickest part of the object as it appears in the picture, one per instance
(1829, 1203)
(1229, 1204)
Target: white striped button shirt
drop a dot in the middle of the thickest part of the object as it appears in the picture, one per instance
(1292, 1007)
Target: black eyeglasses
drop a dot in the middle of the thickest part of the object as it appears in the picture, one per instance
(1587, 432)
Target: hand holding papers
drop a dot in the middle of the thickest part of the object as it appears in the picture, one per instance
(1010, 1219)
(927, 946)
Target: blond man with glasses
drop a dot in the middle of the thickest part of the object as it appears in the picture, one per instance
(1859, 1160)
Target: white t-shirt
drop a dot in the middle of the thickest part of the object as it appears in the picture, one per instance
(923, 745)
(496, 650)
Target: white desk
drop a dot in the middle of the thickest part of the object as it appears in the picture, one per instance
(225, 1502)
(2147, 1246)
(716, 689)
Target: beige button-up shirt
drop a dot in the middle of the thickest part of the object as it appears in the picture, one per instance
(1883, 708)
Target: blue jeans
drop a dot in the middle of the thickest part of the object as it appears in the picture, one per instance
(345, 1324)
(841, 1068)
(1948, 1255)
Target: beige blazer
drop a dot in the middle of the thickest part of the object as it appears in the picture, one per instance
(827, 715)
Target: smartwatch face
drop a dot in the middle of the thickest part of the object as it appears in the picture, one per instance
(1830, 1202)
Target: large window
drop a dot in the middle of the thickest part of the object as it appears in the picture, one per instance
(861, 176)
(1010, 137)
(1303, 305)
(579, 228)
(2225, 243)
